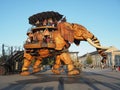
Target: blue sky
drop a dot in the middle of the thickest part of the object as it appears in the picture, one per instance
(101, 17)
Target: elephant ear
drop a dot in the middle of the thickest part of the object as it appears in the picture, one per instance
(66, 31)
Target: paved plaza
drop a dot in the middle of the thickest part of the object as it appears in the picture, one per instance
(89, 79)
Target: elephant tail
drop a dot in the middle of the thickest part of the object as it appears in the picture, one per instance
(100, 50)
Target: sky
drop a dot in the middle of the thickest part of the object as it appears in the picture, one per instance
(100, 17)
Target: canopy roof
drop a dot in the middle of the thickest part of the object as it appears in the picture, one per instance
(40, 17)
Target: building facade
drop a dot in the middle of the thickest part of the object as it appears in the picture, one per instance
(113, 57)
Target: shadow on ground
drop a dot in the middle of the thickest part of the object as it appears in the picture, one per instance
(62, 80)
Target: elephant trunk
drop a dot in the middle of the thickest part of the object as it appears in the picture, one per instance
(95, 42)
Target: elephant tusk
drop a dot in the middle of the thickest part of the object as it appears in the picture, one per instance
(97, 46)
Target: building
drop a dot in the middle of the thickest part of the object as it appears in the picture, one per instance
(74, 55)
(96, 58)
(113, 57)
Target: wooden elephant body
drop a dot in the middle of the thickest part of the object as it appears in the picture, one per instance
(52, 36)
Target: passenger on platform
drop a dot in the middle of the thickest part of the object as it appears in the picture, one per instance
(30, 37)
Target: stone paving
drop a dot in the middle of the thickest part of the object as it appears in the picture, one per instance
(89, 79)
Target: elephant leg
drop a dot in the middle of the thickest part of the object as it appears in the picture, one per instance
(25, 68)
(36, 66)
(26, 64)
(65, 57)
(57, 65)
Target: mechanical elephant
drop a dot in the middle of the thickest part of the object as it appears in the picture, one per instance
(52, 36)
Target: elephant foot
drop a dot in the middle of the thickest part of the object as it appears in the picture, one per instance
(35, 70)
(74, 72)
(56, 71)
(25, 73)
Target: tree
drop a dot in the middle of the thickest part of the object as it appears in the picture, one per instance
(89, 59)
(3, 58)
(48, 61)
